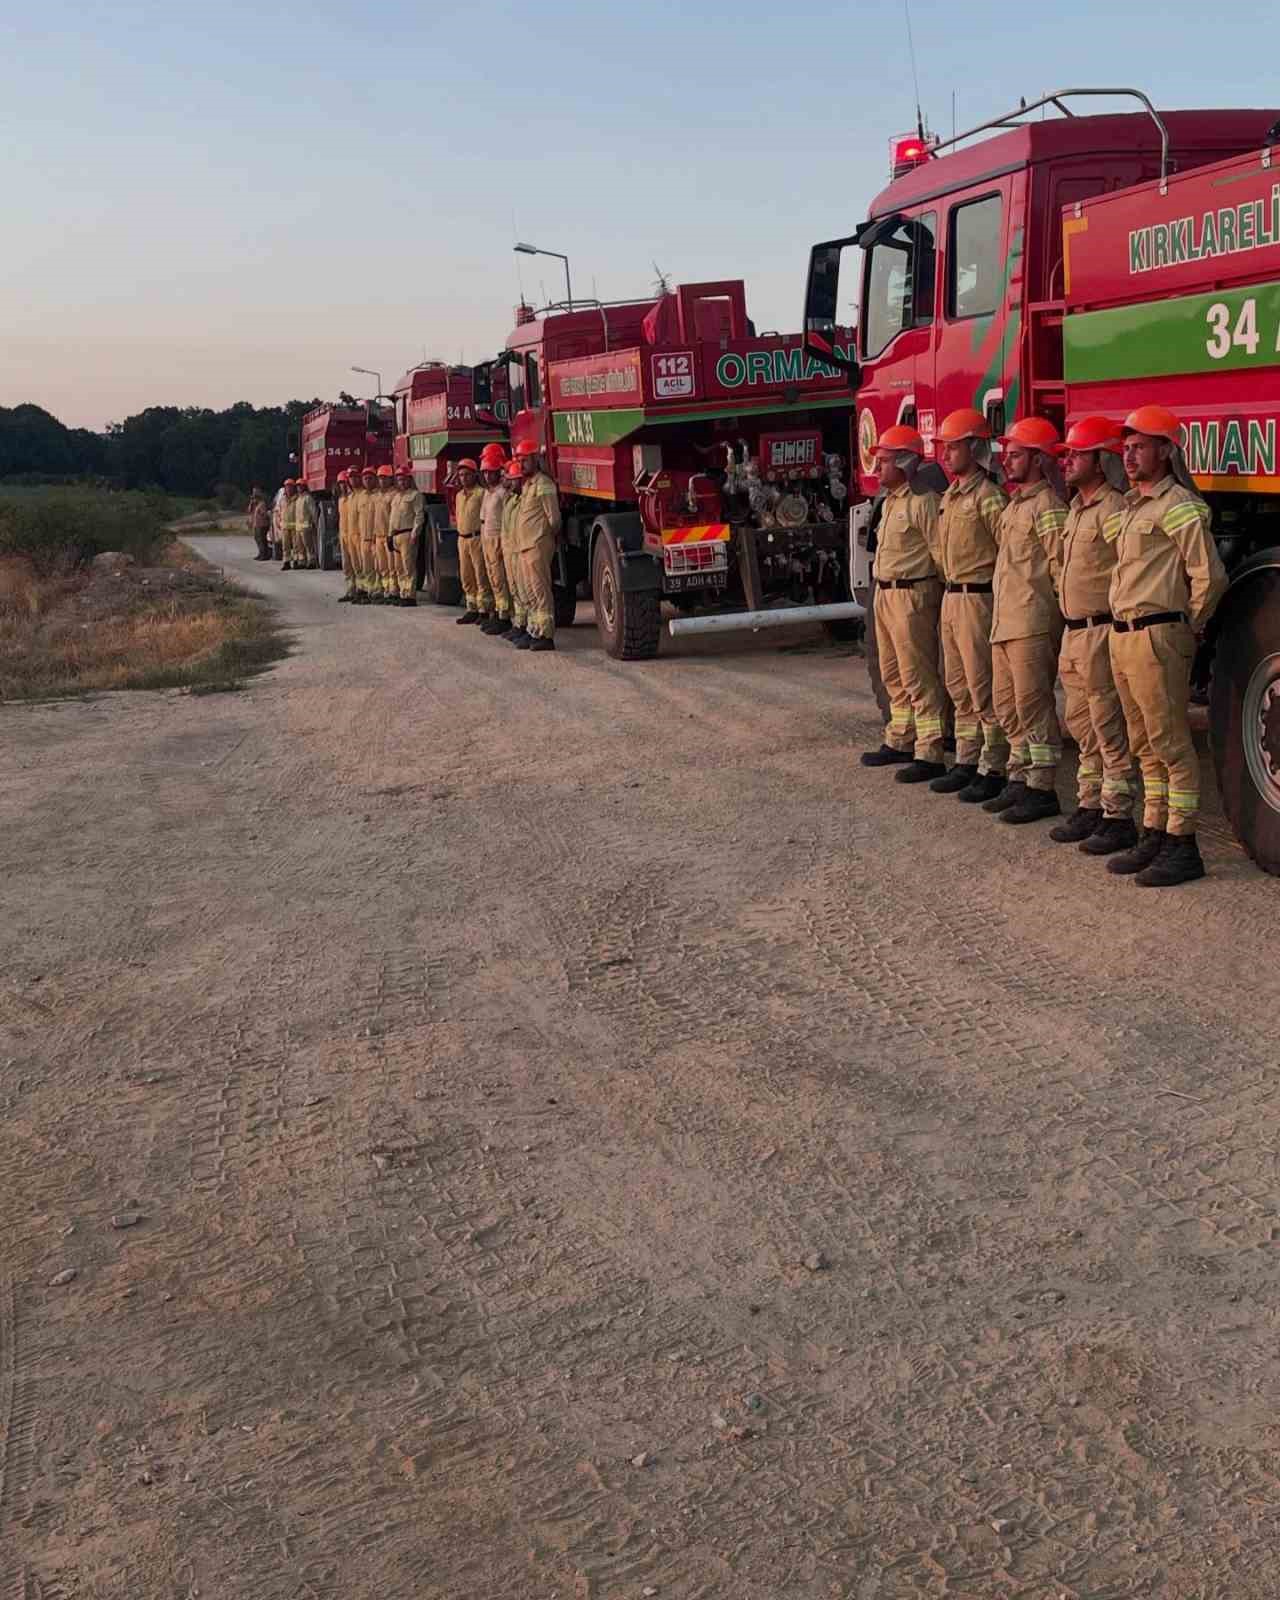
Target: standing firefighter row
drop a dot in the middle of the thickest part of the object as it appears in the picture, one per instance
(380, 520)
(507, 530)
(1097, 566)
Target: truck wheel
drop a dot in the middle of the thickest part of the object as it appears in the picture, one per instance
(566, 606)
(326, 538)
(441, 590)
(630, 625)
(1244, 715)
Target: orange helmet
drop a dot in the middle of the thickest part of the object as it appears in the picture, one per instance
(384, 472)
(528, 448)
(1094, 433)
(405, 471)
(964, 424)
(492, 457)
(344, 476)
(513, 470)
(1158, 421)
(900, 438)
(1033, 433)
(466, 465)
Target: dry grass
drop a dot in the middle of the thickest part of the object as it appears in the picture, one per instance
(179, 625)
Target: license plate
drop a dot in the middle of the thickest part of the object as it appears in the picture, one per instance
(694, 580)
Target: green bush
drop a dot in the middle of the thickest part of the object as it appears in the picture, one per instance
(61, 528)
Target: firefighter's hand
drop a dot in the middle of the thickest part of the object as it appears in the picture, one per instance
(391, 543)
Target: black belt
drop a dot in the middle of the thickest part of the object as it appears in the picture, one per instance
(468, 536)
(901, 583)
(969, 588)
(1138, 623)
(1098, 620)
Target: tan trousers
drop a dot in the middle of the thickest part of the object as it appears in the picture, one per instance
(966, 654)
(376, 564)
(472, 572)
(1023, 673)
(496, 567)
(351, 556)
(1152, 669)
(405, 562)
(1095, 720)
(515, 578)
(535, 569)
(295, 544)
(907, 636)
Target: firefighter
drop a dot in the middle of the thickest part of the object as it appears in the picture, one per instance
(493, 458)
(371, 583)
(408, 513)
(304, 529)
(1102, 822)
(468, 507)
(258, 516)
(968, 524)
(513, 478)
(353, 548)
(289, 489)
(537, 527)
(1026, 625)
(342, 491)
(386, 590)
(908, 600)
(1167, 583)
(277, 521)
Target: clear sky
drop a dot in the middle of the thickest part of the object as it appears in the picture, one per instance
(212, 202)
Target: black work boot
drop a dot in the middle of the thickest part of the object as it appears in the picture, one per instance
(287, 566)
(1034, 806)
(960, 777)
(886, 756)
(1111, 834)
(528, 642)
(1141, 856)
(983, 788)
(492, 623)
(468, 617)
(1011, 794)
(921, 772)
(518, 635)
(1178, 862)
(1082, 822)
(541, 644)
(408, 600)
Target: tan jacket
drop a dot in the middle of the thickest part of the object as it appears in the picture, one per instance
(359, 513)
(259, 514)
(1166, 559)
(907, 538)
(510, 511)
(1030, 539)
(1088, 556)
(380, 513)
(408, 511)
(491, 512)
(538, 516)
(468, 505)
(968, 520)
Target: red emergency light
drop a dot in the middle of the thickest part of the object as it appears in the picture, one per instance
(908, 151)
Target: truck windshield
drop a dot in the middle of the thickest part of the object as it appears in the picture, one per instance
(898, 283)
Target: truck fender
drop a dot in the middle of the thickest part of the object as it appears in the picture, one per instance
(445, 537)
(640, 571)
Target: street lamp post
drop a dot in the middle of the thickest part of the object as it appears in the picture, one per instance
(532, 250)
(370, 373)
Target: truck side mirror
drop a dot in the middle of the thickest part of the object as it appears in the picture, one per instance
(821, 309)
(482, 386)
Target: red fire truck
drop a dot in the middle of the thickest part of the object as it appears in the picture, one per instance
(335, 438)
(1083, 264)
(697, 460)
(437, 424)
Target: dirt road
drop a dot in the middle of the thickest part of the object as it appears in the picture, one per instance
(543, 1127)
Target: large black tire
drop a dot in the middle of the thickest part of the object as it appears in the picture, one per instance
(328, 553)
(630, 625)
(566, 606)
(1244, 714)
(441, 589)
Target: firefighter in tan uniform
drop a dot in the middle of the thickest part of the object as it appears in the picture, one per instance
(385, 590)
(1026, 625)
(365, 517)
(908, 601)
(304, 528)
(513, 478)
(968, 523)
(407, 515)
(1102, 822)
(537, 528)
(357, 499)
(468, 509)
(288, 509)
(493, 459)
(1167, 583)
(342, 491)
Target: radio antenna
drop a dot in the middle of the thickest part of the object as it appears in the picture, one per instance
(915, 75)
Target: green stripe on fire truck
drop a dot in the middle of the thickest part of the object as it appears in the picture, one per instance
(611, 427)
(1228, 331)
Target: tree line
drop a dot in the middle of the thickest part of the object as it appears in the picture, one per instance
(183, 450)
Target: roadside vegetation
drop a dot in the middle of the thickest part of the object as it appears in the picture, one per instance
(95, 594)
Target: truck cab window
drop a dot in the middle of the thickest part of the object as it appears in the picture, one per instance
(898, 283)
(973, 272)
(515, 383)
(535, 383)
